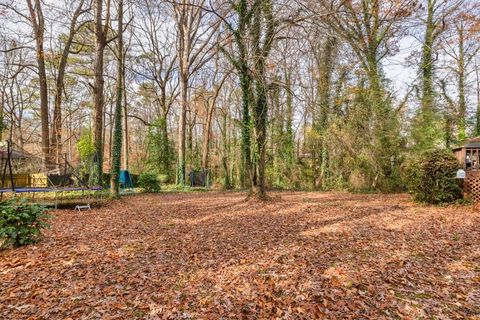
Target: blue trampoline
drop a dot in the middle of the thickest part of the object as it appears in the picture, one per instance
(57, 191)
(6, 156)
(35, 190)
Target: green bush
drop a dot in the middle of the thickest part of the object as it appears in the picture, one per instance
(431, 177)
(149, 182)
(21, 223)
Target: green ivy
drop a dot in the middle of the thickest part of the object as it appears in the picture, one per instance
(161, 153)
(431, 177)
(85, 146)
(149, 182)
(21, 223)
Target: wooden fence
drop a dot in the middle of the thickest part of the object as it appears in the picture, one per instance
(36, 180)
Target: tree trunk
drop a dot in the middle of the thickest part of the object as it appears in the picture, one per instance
(477, 113)
(182, 124)
(2, 114)
(117, 134)
(462, 102)
(125, 121)
(98, 88)
(427, 61)
(59, 87)
(226, 180)
(324, 90)
(425, 130)
(206, 139)
(263, 33)
(245, 85)
(449, 116)
(289, 140)
(38, 25)
(260, 120)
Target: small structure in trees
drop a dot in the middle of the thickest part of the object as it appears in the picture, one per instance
(199, 178)
(468, 156)
(125, 179)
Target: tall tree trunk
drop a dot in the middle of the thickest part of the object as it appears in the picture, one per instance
(206, 138)
(462, 101)
(260, 122)
(425, 129)
(98, 87)
(210, 110)
(289, 135)
(241, 63)
(125, 121)
(56, 142)
(263, 24)
(477, 113)
(111, 116)
(449, 116)
(324, 91)
(427, 61)
(117, 134)
(38, 25)
(183, 43)
(226, 150)
(182, 125)
(245, 85)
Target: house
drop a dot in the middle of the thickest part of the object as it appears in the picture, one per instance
(468, 156)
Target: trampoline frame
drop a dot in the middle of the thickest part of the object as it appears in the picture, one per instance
(56, 191)
(33, 190)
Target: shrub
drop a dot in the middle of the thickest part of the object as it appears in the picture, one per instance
(21, 223)
(431, 177)
(149, 182)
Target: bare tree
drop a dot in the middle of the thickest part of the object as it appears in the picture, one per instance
(38, 27)
(101, 28)
(59, 81)
(209, 101)
(194, 48)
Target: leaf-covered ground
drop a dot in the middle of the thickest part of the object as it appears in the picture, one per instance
(213, 255)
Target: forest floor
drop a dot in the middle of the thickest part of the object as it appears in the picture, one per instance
(214, 255)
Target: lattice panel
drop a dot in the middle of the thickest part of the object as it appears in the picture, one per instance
(471, 188)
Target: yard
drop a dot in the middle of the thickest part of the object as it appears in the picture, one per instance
(214, 255)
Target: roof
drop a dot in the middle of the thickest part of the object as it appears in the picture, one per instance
(15, 154)
(470, 143)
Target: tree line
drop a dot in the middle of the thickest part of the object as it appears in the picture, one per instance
(326, 94)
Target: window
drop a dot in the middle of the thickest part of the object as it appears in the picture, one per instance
(472, 158)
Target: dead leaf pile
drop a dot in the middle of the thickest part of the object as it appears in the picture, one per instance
(215, 255)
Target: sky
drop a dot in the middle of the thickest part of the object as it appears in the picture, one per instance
(395, 67)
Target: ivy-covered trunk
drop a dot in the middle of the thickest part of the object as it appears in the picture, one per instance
(260, 122)
(477, 113)
(226, 150)
(325, 69)
(117, 134)
(426, 131)
(262, 32)
(245, 85)
(462, 101)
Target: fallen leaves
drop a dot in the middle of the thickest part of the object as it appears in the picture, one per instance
(214, 255)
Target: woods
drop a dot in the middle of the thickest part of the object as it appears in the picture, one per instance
(239, 159)
(259, 94)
